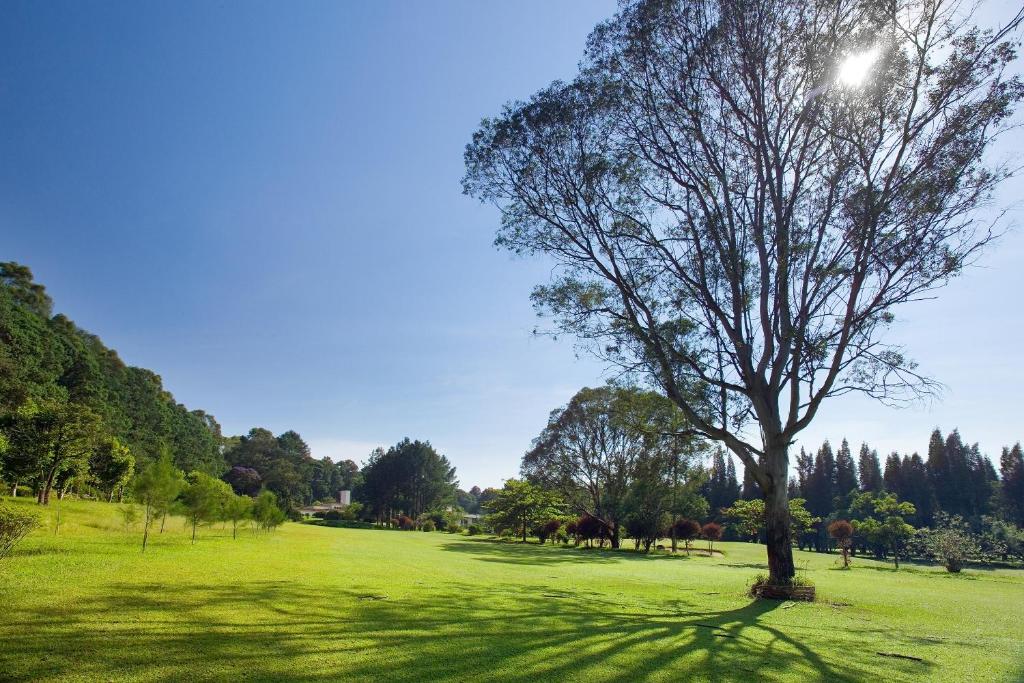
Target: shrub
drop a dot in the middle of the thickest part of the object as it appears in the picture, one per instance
(454, 529)
(428, 525)
(474, 530)
(15, 524)
(333, 515)
(842, 531)
(687, 530)
(505, 533)
(546, 530)
(952, 543)
(712, 531)
(589, 527)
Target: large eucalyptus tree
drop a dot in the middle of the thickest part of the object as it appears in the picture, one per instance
(739, 192)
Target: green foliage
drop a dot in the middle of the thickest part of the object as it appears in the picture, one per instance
(265, 512)
(616, 453)
(236, 509)
(203, 499)
(156, 487)
(886, 530)
(748, 517)
(410, 477)
(130, 519)
(951, 542)
(284, 465)
(799, 518)
(112, 466)
(15, 524)
(428, 525)
(50, 441)
(63, 395)
(519, 506)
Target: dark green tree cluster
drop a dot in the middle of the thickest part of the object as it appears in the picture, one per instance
(284, 465)
(954, 480)
(623, 457)
(722, 489)
(73, 414)
(409, 478)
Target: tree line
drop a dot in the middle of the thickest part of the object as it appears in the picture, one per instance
(618, 462)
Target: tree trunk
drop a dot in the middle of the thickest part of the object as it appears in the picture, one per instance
(194, 522)
(778, 535)
(145, 531)
(614, 540)
(14, 490)
(44, 493)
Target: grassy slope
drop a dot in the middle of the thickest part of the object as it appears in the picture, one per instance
(330, 604)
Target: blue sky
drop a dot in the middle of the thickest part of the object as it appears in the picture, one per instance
(261, 202)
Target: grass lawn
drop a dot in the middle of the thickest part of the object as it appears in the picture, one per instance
(315, 603)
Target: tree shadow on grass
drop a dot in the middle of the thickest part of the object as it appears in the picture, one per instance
(491, 550)
(289, 631)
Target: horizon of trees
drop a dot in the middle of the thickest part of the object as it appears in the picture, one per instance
(613, 454)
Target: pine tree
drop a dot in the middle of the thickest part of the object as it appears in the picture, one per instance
(938, 470)
(804, 469)
(1011, 471)
(892, 480)
(955, 497)
(732, 484)
(916, 488)
(821, 485)
(982, 484)
(870, 470)
(846, 470)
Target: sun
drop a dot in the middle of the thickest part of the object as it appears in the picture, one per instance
(855, 68)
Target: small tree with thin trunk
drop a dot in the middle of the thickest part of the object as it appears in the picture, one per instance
(687, 530)
(739, 193)
(842, 531)
(203, 499)
(156, 487)
(237, 508)
(712, 531)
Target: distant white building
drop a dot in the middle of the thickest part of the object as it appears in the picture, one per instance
(345, 497)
